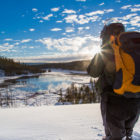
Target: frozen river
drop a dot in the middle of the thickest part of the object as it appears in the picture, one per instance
(45, 85)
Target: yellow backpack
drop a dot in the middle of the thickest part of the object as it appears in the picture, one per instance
(127, 60)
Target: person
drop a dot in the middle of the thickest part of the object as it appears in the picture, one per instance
(119, 114)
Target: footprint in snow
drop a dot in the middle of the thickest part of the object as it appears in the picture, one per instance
(96, 128)
(99, 135)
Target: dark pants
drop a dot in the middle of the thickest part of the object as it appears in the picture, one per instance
(119, 116)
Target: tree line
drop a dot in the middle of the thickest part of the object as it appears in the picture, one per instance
(74, 65)
(10, 67)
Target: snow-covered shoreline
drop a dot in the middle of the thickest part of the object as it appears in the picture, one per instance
(3, 78)
(71, 122)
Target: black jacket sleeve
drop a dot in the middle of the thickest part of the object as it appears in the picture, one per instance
(96, 66)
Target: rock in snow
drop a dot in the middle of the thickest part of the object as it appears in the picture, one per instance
(70, 122)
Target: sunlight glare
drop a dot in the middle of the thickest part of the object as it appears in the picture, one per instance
(97, 49)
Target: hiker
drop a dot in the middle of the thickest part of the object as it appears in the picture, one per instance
(119, 113)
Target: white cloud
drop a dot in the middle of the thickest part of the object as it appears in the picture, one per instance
(126, 7)
(6, 47)
(95, 13)
(56, 29)
(118, 1)
(75, 44)
(31, 30)
(81, 19)
(41, 21)
(80, 28)
(118, 19)
(55, 9)
(64, 34)
(69, 29)
(25, 40)
(135, 9)
(71, 18)
(66, 49)
(81, 0)
(17, 43)
(59, 21)
(99, 12)
(83, 28)
(135, 21)
(34, 9)
(6, 44)
(8, 39)
(66, 11)
(109, 10)
(137, 5)
(31, 47)
(87, 28)
(131, 29)
(47, 17)
(124, 19)
(101, 4)
(86, 50)
(129, 16)
(130, 19)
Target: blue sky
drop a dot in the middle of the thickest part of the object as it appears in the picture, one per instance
(59, 30)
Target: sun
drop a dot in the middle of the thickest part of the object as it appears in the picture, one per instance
(97, 49)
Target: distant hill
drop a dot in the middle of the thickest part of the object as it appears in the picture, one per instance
(9, 67)
(74, 65)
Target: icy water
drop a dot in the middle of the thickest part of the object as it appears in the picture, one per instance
(48, 84)
(52, 81)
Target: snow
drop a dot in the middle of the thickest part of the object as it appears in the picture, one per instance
(71, 122)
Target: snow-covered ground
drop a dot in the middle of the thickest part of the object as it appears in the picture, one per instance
(71, 122)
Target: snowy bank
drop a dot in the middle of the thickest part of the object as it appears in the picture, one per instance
(71, 122)
(3, 78)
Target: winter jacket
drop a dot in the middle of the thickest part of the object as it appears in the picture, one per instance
(103, 67)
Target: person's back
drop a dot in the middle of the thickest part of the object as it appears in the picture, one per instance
(119, 113)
